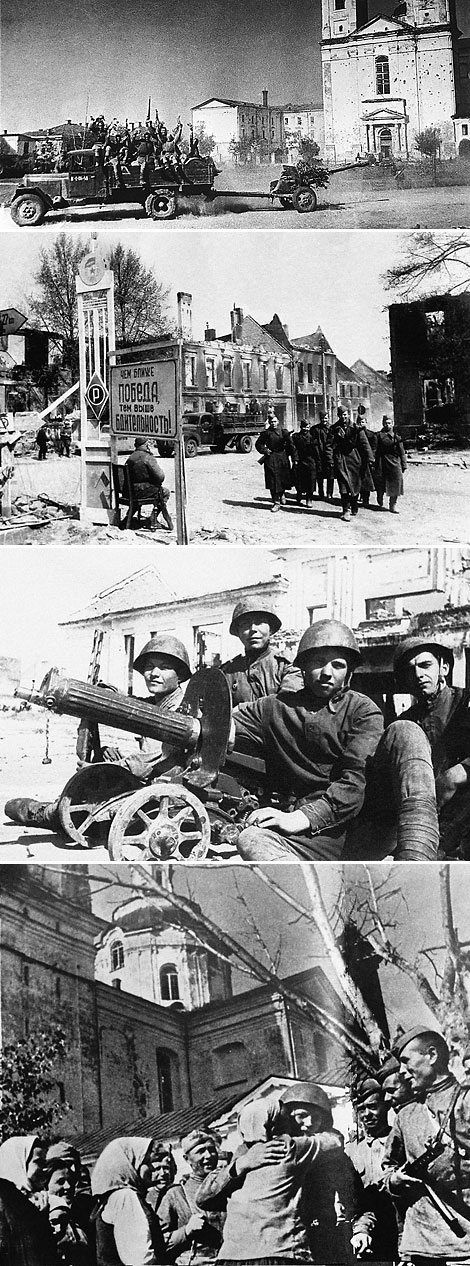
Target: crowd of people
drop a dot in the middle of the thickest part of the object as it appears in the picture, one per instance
(339, 782)
(361, 461)
(293, 1190)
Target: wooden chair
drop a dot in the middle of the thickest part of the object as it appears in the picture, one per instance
(125, 495)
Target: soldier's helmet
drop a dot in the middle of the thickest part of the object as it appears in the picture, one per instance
(172, 648)
(307, 1092)
(413, 646)
(249, 606)
(326, 633)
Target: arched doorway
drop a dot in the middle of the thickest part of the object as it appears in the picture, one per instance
(385, 143)
(464, 148)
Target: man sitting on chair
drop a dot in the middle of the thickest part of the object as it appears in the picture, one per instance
(146, 477)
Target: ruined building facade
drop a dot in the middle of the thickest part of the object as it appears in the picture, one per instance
(389, 79)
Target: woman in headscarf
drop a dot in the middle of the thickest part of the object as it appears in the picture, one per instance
(127, 1230)
(22, 1162)
(263, 1188)
(191, 1235)
(25, 1235)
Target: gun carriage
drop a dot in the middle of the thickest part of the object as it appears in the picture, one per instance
(193, 811)
(85, 182)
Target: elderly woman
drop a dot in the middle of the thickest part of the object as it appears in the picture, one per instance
(190, 1234)
(127, 1230)
(262, 1188)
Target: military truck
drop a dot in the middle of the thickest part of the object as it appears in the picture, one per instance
(87, 182)
(217, 431)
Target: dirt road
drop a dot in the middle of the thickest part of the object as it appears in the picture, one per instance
(227, 501)
(349, 202)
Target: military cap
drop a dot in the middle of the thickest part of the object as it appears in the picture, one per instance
(387, 1069)
(194, 1139)
(418, 1031)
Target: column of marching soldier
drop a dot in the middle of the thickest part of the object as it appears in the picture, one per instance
(362, 461)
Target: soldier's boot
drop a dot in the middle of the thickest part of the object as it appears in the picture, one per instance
(28, 812)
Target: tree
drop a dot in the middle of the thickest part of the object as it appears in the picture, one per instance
(55, 304)
(29, 1102)
(140, 300)
(430, 257)
(242, 151)
(441, 973)
(428, 143)
(205, 140)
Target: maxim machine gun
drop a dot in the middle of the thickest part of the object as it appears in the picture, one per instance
(190, 812)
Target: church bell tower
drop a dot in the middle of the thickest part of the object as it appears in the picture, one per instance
(342, 17)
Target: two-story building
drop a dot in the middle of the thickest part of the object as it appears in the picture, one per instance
(259, 126)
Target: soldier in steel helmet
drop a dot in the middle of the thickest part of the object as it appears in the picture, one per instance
(316, 744)
(164, 664)
(334, 1202)
(260, 670)
(423, 667)
(336, 785)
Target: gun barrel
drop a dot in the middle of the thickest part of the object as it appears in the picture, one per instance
(66, 695)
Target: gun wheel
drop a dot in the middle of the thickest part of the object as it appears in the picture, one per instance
(87, 801)
(165, 821)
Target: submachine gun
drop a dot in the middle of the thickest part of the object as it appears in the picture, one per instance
(194, 810)
(418, 1168)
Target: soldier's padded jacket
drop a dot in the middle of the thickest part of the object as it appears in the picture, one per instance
(263, 1206)
(446, 723)
(426, 1234)
(269, 673)
(315, 756)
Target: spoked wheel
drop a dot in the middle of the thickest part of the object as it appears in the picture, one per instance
(28, 210)
(85, 806)
(164, 821)
(161, 205)
(304, 199)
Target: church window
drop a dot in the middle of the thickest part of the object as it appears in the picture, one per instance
(169, 987)
(340, 4)
(464, 129)
(117, 955)
(300, 371)
(165, 1080)
(230, 1064)
(382, 76)
(279, 377)
(328, 374)
(309, 373)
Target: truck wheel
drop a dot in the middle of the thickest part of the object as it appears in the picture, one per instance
(28, 210)
(245, 444)
(191, 447)
(161, 205)
(304, 199)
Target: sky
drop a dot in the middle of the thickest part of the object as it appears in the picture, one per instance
(332, 279)
(415, 908)
(115, 55)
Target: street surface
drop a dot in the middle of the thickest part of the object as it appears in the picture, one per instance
(227, 502)
(351, 201)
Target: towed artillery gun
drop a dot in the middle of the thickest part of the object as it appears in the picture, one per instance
(192, 812)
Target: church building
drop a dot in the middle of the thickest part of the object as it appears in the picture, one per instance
(388, 79)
